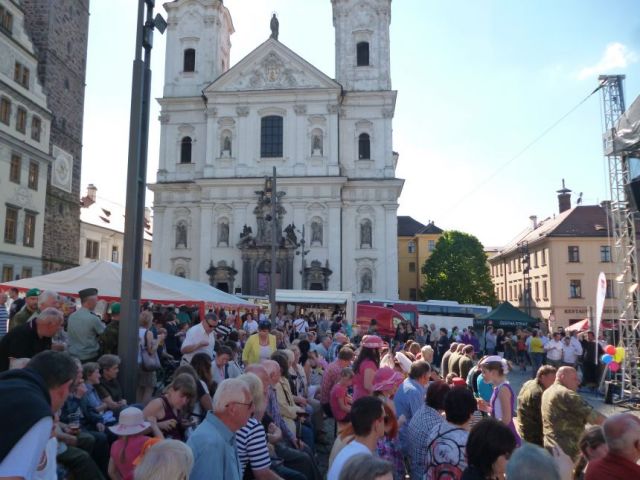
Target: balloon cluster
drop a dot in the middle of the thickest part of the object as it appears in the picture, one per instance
(613, 357)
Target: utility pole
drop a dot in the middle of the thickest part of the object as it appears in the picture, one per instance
(136, 187)
(274, 240)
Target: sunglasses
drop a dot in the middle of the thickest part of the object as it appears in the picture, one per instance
(248, 405)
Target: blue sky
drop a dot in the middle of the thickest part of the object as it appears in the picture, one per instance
(477, 81)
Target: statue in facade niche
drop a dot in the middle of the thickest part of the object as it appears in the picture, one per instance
(275, 27)
(226, 146)
(316, 233)
(316, 145)
(365, 282)
(181, 235)
(223, 233)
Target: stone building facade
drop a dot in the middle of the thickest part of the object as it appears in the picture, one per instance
(59, 31)
(25, 126)
(223, 129)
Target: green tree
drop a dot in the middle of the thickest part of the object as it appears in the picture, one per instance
(457, 270)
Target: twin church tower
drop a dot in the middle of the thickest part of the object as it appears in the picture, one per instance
(224, 128)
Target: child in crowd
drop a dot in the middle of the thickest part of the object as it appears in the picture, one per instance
(126, 449)
(340, 399)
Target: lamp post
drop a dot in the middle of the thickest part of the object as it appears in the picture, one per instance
(136, 185)
(302, 252)
(274, 241)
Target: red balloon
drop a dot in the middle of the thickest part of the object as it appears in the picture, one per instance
(614, 366)
(611, 350)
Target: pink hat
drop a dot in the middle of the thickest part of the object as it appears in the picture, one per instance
(386, 379)
(130, 422)
(372, 341)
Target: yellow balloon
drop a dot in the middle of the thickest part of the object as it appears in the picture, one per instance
(618, 357)
(620, 353)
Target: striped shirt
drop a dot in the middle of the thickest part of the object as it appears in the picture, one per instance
(4, 320)
(251, 443)
(222, 331)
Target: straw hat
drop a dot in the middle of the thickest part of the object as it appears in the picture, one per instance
(131, 422)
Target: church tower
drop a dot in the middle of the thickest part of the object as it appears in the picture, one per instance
(362, 44)
(198, 45)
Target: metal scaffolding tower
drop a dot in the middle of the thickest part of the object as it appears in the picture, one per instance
(624, 238)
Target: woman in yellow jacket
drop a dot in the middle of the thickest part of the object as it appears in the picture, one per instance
(259, 346)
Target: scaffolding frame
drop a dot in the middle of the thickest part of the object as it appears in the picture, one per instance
(624, 253)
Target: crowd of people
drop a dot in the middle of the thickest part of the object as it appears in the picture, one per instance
(230, 395)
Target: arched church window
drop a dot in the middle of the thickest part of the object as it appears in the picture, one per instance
(271, 136)
(185, 150)
(181, 235)
(362, 50)
(366, 281)
(365, 233)
(189, 64)
(364, 146)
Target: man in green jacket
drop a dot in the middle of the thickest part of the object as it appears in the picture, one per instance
(29, 309)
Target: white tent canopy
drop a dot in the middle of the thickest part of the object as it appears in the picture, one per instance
(107, 278)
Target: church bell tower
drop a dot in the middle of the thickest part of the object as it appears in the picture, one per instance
(362, 44)
(198, 45)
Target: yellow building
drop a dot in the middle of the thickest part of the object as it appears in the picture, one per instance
(415, 244)
(566, 254)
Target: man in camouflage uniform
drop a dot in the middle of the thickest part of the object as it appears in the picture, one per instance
(108, 339)
(565, 413)
(529, 420)
(29, 309)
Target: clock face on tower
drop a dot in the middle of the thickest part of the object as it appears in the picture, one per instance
(61, 169)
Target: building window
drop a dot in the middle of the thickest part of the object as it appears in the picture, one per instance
(544, 290)
(29, 233)
(6, 22)
(575, 289)
(431, 245)
(610, 293)
(11, 225)
(189, 64)
(605, 253)
(413, 294)
(535, 259)
(271, 137)
(27, 272)
(5, 110)
(364, 146)
(15, 168)
(92, 249)
(412, 266)
(543, 256)
(36, 128)
(21, 120)
(411, 247)
(114, 254)
(536, 290)
(34, 170)
(149, 261)
(7, 273)
(362, 50)
(185, 150)
(21, 75)
(366, 234)
(574, 254)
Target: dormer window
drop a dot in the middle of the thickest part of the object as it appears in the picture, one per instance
(362, 50)
(189, 60)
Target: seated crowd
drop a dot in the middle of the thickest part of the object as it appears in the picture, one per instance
(231, 396)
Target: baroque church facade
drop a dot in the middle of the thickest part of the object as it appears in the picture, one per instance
(224, 129)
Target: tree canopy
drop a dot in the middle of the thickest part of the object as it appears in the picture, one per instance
(457, 270)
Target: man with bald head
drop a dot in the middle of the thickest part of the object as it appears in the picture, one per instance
(622, 434)
(565, 413)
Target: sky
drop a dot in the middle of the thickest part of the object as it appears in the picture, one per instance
(478, 81)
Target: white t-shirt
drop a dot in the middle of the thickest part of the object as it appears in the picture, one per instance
(250, 326)
(195, 335)
(301, 325)
(353, 448)
(24, 457)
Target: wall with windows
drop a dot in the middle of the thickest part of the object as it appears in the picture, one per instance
(413, 252)
(25, 124)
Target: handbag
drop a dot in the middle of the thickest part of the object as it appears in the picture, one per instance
(150, 361)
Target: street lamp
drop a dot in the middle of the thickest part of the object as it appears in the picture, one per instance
(302, 252)
(136, 185)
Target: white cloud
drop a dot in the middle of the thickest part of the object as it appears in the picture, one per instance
(615, 56)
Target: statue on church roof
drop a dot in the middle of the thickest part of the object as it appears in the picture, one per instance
(275, 27)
